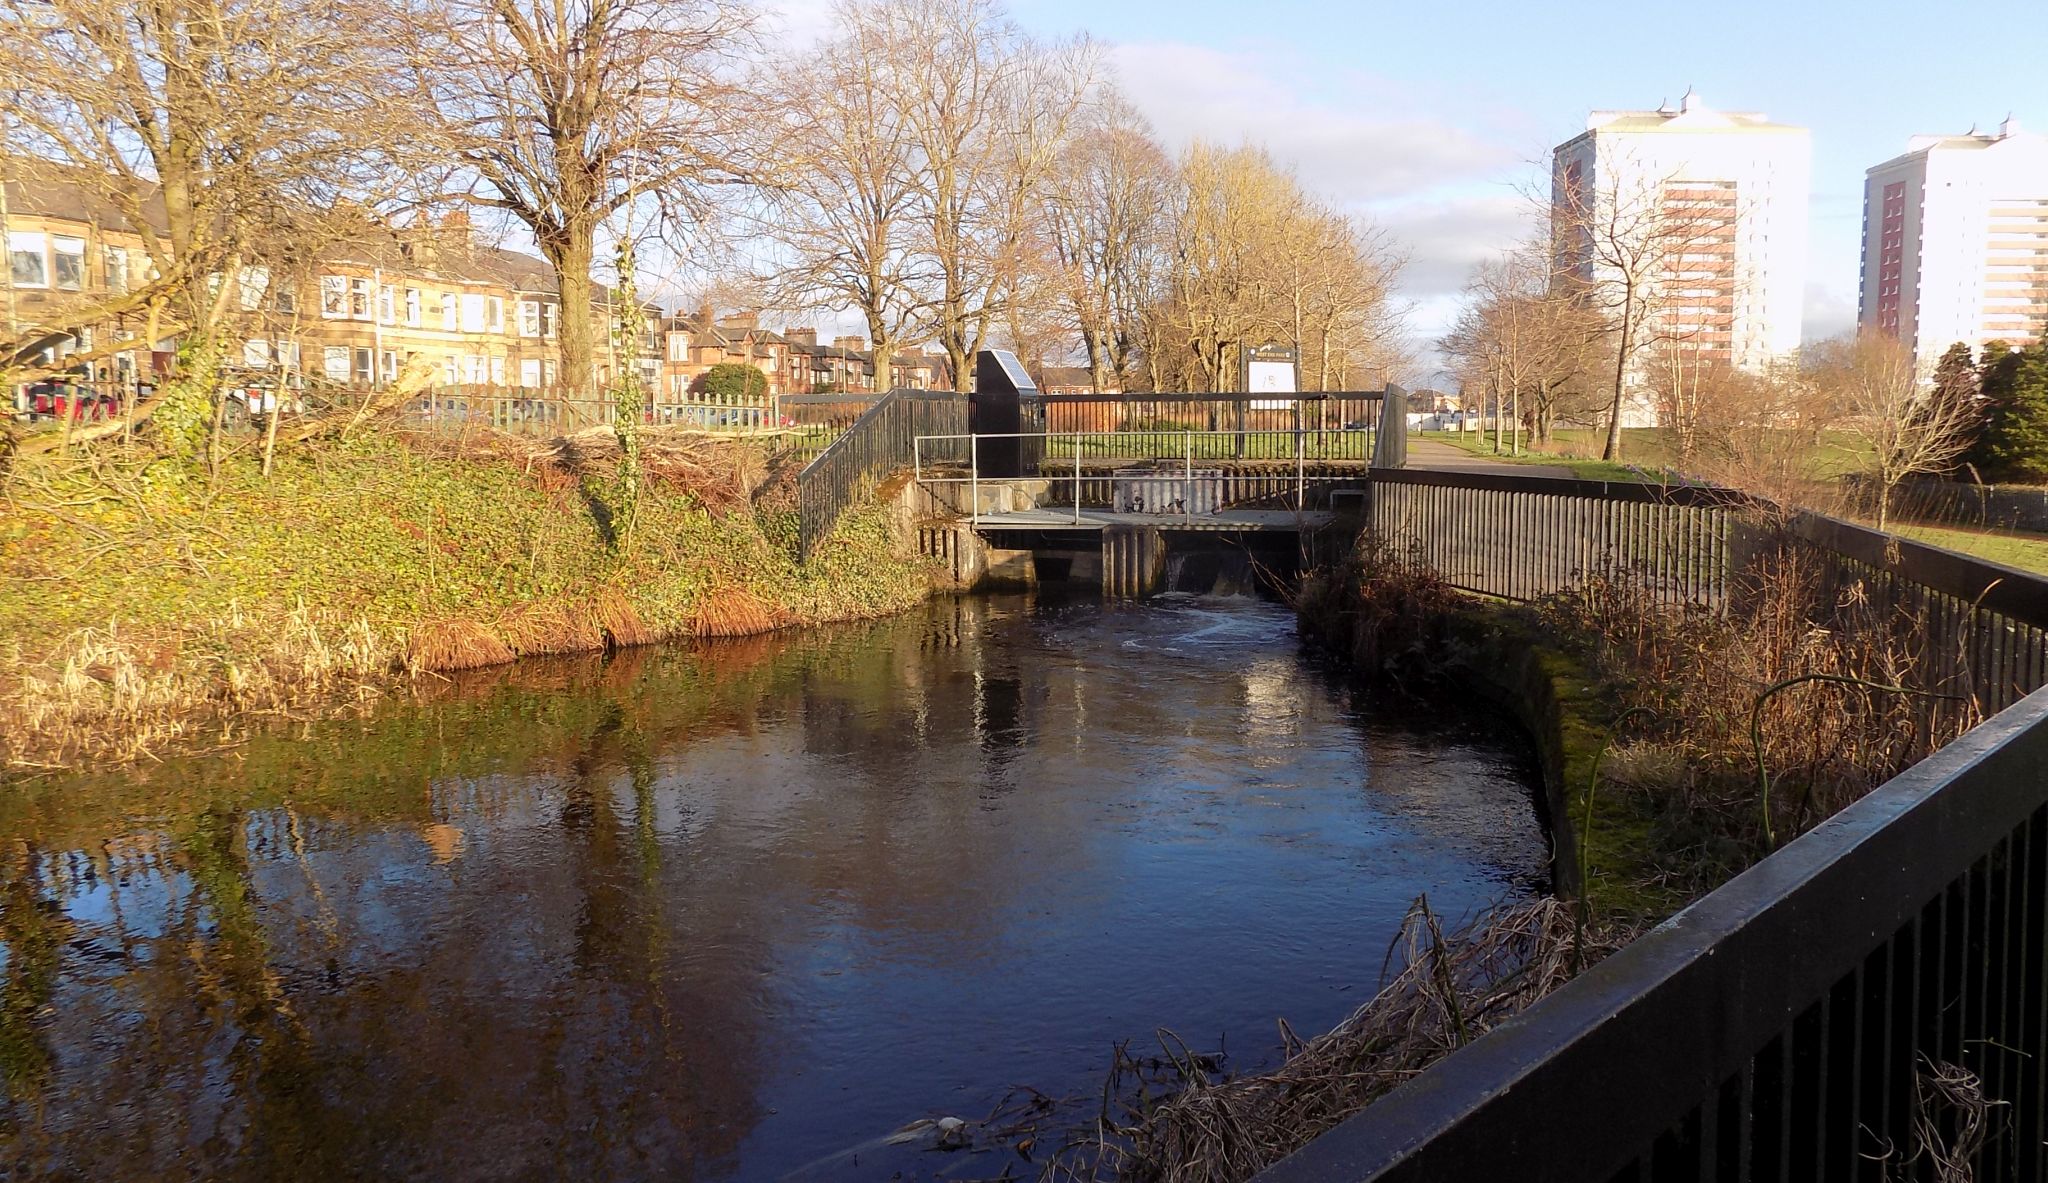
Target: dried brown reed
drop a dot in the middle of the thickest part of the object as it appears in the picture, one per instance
(453, 643)
(1381, 607)
(1953, 1120)
(1449, 990)
(1699, 675)
(109, 695)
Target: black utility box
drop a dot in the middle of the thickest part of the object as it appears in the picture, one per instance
(1006, 405)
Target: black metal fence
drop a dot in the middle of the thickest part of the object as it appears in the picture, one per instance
(881, 441)
(1330, 426)
(1788, 1026)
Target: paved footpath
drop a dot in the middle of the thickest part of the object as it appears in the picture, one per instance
(1444, 457)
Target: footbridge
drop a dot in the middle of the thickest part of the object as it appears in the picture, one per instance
(1015, 486)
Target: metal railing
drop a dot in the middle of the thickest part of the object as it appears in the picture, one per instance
(1148, 472)
(1982, 628)
(881, 441)
(1782, 1027)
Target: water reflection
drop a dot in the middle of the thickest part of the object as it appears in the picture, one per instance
(720, 913)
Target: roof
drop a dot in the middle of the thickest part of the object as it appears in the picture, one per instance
(49, 192)
(50, 196)
(2008, 136)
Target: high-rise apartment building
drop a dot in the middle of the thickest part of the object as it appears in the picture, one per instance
(1955, 241)
(1718, 203)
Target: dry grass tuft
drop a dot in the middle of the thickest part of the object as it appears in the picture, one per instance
(549, 626)
(621, 622)
(734, 612)
(455, 644)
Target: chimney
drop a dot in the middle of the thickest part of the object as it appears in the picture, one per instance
(802, 336)
(850, 344)
(741, 320)
(455, 228)
(706, 318)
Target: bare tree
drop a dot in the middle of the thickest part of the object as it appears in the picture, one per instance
(1897, 426)
(847, 208)
(563, 113)
(1628, 247)
(218, 131)
(1526, 339)
(1105, 223)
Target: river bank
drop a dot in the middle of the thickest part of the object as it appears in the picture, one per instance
(149, 607)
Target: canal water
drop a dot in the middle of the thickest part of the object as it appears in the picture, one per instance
(728, 912)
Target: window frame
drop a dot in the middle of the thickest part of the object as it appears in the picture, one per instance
(16, 250)
(77, 257)
(114, 267)
(334, 297)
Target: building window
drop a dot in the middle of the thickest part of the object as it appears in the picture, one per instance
(358, 298)
(472, 314)
(288, 356)
(547, 319)
(448, 313)
(282, 299)
(364, 374)
(388, 364)
(678, 347)
(497, 371)
(69, 256)
(334, 363)
(495, 320)
(529, 318)
(333, 297)
(26, 263)
(529, 371)
(448, 374)
(387, 304)
(412, 307)
(250, 284)
(116, 261)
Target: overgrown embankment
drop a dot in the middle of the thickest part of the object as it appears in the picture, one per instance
(1680, 743)
(142, 600)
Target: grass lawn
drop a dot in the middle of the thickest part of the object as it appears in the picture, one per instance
(2029, 552)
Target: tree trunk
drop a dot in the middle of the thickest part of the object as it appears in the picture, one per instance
(1612, 453)
(570, 251)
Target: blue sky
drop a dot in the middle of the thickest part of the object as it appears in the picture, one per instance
(1431, 118)
(1428, 116)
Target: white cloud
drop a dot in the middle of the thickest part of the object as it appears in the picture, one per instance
(1828, 312)
(1345, 151)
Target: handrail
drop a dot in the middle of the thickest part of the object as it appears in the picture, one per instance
(879, 442)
